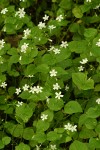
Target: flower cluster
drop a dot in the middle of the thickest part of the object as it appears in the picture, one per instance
(44, 117)
(4, 11)
(2, 42)
(84, 61)
(98, 43)
(26, 33)
(24, 47)
(20, 13)
(3, 85)
(98, 101)
(35, 89)
(70, 127)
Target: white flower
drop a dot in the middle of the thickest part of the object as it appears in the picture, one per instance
(59, 18)
(81, 68)
(66, 87)
(53, 73)
(56, 51)
(98, 43)
(20, 13)
(3, 11)
(88, 0)
(22, 0)
(51, 27)
(3, 85)
(47, 99)
(2, 42)
(98, 101)
(25, 87)
(44, 117)
(70, 127)
(53, 147)
(84, 61)
(56, 86)
(30, 76)
(39, 89)
(58, 95)
(18, 90)
(24, 47)
(33, 89)
(64, 44)
(19, 104)
(41, 25)
(51, 48)
(45, 17)
(26, 33)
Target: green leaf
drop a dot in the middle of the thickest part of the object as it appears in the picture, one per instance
(42, 68)
(90, 32)
(1, 144)
(17, 130)
(78, 46)
(77, 12)
(66, 4)
(72, 107)
(22, 146)
(28, 133)
(86, 133)
(94, 143)
(40, 137)
(42, 125)
(23, 113)
(81, 81)
(77, 145)
(55, 104)
(93, 112)
(6, 140)
(53, 136)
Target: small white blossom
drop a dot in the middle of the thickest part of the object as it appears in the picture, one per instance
(44, 117)
(30, 76)
(64, 44)
(2, 42)
(53, 73)
(18, 90)
(88, 1)
(98, 101)
(45, 18)
(25, 87)
(70, 127)
(4, 11)
(84, 61)
(19, 104)
(58, 95)
(33, 89)
(22, 0)
(3, 85)
(56, 86)
(26, 33)
(56, 51)
(51, 27)
(20, 13)
(81, 68)
(53, 147)
(51, 48)
(66, 87)
(98, 43)
(24, 47)
(47, 99)
(39, 89)
(59, 18)
(41, 25)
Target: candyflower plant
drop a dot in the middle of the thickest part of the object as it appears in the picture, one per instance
(49, 75)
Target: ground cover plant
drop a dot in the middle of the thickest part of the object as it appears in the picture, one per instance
(50, 74)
